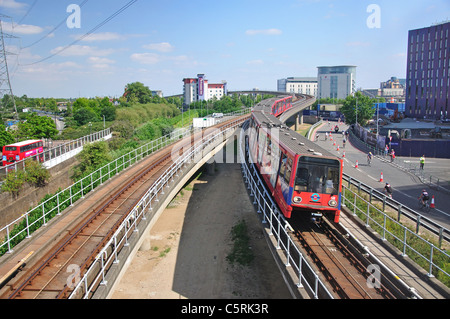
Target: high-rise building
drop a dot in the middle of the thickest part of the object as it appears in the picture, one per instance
(336, 82)
(198, 89)
(428, 72)
(306, 85)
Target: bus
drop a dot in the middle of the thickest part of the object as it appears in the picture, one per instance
(16, 152)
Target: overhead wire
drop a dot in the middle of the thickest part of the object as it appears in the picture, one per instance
(54, 29)
(115, 14)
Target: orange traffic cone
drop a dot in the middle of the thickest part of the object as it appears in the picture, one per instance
(343, 154)
(338, 148)
(356, 166)
(432, 202)
(381, 178)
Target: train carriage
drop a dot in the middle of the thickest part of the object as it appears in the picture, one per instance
(301, 176)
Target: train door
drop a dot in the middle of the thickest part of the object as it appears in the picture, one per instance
(285, 177)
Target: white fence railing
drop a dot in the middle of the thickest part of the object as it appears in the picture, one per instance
(58, 154)
(95, 274)
(24, 226)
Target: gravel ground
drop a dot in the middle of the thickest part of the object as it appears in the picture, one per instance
(190, 244)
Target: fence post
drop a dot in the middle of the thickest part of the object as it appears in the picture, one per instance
(417, 224)
(430, 273)
(399, 212)
(368, 213)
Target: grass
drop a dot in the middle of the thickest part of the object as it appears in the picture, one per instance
(241, 252)
(420, 245)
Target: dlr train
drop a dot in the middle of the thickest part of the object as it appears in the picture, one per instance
(301, 176)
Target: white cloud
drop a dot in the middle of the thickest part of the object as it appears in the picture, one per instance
(264, 32)
(255, 62)
(154, 58)
(160, 47)
(146, 58)
(11, 4)
(104, 36)
(98, 60)
(81, 50)
(23, 29)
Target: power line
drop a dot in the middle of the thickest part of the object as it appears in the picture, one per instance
(129, 4)
(29, 10)
(54, 29)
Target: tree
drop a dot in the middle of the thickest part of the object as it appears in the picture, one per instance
(359, 105)
(85, 115)
(138, 93)
(37, 127)
(36, 173)
(91, 158)
(5, 137)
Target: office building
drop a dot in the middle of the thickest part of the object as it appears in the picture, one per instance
(428, 68)
(336, 82)
(298, 85)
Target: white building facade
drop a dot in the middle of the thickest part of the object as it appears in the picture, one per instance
(307, 85)
(336, 82)
(198, 89)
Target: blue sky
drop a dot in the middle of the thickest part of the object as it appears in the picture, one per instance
(248, 43)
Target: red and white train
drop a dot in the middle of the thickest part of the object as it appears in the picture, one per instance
(302, 177)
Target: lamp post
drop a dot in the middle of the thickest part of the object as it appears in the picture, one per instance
(378, 106)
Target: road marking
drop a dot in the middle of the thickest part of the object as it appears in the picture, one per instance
(436, 209)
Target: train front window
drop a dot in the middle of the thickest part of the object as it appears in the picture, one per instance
(317, 175)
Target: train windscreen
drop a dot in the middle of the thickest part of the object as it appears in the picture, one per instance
(317, 175)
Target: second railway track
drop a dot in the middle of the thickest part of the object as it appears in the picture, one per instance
(49, 276)
(341, 266)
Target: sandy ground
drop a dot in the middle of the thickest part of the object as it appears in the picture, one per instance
(190, 243)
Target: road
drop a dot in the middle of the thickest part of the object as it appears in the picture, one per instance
(406, 186)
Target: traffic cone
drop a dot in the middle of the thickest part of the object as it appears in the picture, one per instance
(432, 202)
(381, 178)
(338, 148)
(356, 166)
(343, 154)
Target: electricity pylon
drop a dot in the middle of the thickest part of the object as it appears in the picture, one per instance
(5, 83)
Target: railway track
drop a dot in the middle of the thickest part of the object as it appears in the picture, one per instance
(340, 264)
(49, 276)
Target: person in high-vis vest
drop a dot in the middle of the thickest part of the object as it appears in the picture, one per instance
(422, 161)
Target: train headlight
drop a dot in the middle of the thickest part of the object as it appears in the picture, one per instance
(332, 203)
(297, 199)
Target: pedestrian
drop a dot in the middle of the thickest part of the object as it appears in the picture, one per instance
(343, 143)
(422, 162)
(386, 150)
(326, 136)
(392, 155)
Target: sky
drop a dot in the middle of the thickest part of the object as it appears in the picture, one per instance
(90, 48)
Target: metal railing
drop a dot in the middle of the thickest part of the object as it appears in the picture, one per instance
(96, 273)
(279, 229)
(58, 151)
(432, 181)
(25, 225)
(442, 233)
(405, 239)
